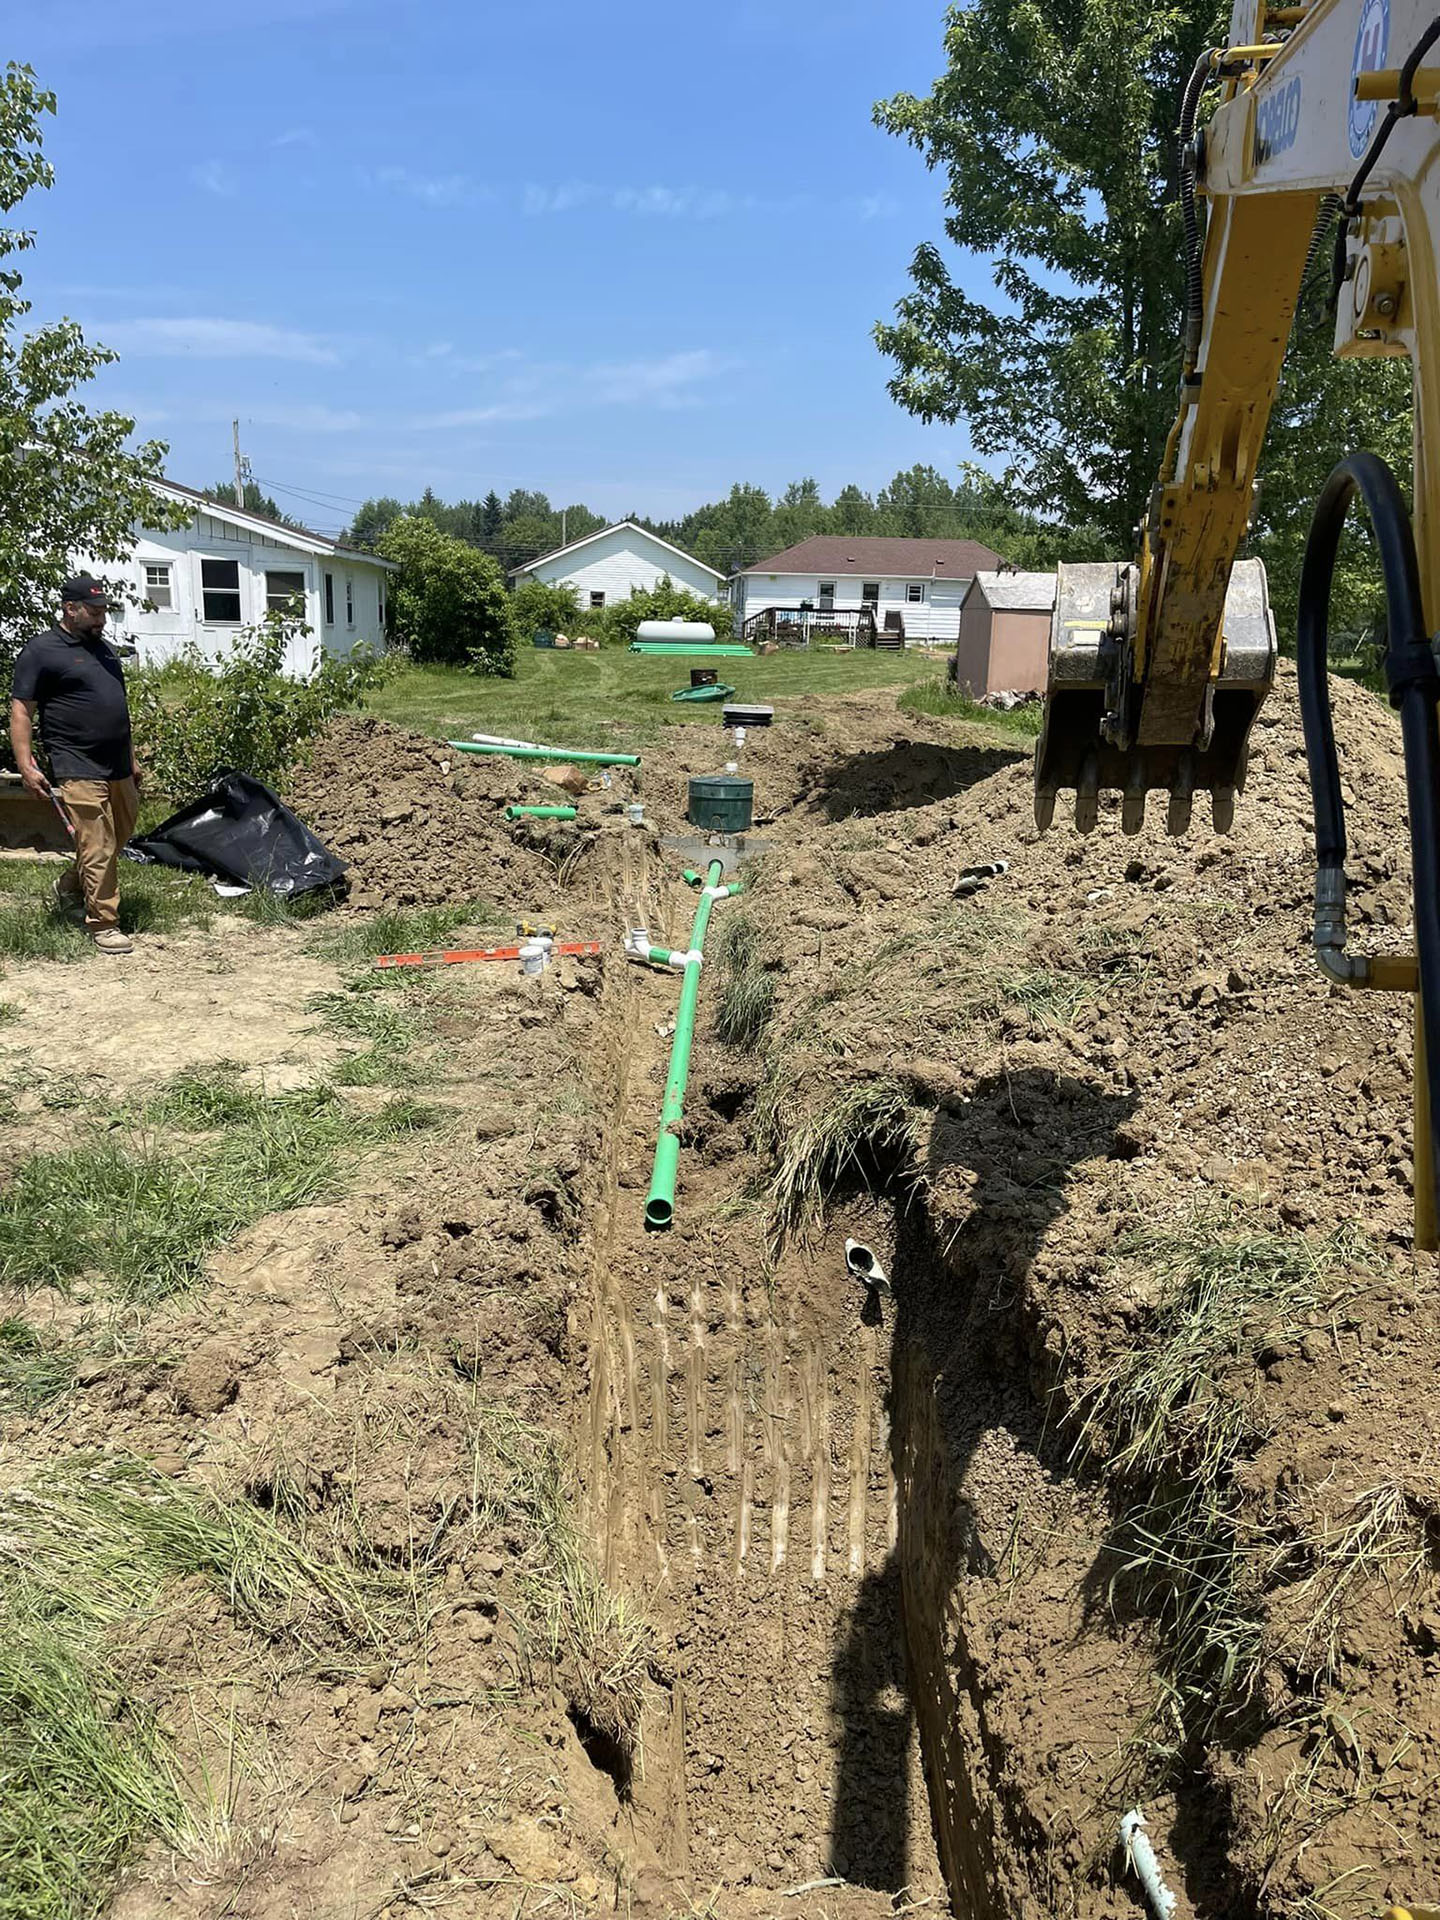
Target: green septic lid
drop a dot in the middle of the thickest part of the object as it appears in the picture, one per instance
(722, 786)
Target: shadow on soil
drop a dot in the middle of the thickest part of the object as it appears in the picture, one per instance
(961, 1367)
(913, 773)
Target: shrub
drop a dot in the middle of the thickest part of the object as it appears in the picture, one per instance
(193, 720)
(448, 605)
(663, 601)
(537, 607)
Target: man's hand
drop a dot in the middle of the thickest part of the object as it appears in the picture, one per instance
(35, 781)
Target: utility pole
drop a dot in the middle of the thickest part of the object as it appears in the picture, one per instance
(564, 526)
(242, 465)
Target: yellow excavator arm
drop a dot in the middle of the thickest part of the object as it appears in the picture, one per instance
(1327, 119)
(1158, 668)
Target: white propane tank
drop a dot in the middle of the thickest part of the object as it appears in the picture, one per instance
(675, 630)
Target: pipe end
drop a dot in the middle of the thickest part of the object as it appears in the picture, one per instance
(659, 1215)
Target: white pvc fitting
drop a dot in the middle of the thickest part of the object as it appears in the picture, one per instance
(534, 957)
(638, 943)
(682, 960)
(1141, 1856)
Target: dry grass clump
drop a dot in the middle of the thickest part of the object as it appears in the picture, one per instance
(747, 998)
(864, 1130)
(1170, 1423)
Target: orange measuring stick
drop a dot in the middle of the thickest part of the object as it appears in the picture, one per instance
(450, 958)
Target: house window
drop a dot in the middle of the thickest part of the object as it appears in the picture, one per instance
(825, 594)
(380, 595)
(329, 599)
(220, 592)
(157, 586)
(870, 594)
(285, 593)
(349, 601)
(915, 594)
(597, 599)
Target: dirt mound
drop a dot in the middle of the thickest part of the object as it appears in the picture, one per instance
(419, 824)
(1140, 1118)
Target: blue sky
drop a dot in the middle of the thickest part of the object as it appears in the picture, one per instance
(624, 254)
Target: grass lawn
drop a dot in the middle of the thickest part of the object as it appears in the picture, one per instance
(600, 699)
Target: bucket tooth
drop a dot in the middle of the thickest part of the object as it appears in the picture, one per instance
(1087, 794)
(1132, 805)
(1222, 808)
(1182, 797)
(1044, 807)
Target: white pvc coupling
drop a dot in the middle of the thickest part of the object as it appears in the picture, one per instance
(682, 960)
(715, 893)
(637, 943)
(1141, 1856)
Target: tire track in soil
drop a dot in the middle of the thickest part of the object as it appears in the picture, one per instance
(737, 1477)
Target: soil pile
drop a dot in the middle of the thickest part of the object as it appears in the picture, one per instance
(419, 824)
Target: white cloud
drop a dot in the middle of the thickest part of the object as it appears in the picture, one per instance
(668, 381)
(651, 202)
(433, 189)
(296, 137)
(541, 392)
(215, 339)
(877, 206)
(213, 176)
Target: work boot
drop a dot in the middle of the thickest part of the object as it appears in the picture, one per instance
(112, 940)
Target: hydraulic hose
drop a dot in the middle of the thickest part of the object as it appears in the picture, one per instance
(1189, 214)
(660, 1201)
(1414, 683)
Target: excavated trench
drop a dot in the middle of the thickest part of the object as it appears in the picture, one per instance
(765, 1462)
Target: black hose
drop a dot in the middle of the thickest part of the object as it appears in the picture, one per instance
(1189, 212)
(1400, 108)
(1414, 683)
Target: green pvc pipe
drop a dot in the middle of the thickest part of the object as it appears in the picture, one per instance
(699, 650)
(660, 1201)
(547, 753)
(540, 813)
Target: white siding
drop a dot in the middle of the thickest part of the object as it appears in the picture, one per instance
(163, 634)
(935, 619)
(618, 562)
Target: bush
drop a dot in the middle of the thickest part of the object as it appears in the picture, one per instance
(663, 601)
(193, 720)
(536, 607)
(448, 605)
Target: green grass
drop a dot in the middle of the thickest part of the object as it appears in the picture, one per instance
(861, 1130)
(401, 932)
(934, 696)
(596, 699)
(94, 1552)
(32, 1372)
(139, 1218)
(391, 1053)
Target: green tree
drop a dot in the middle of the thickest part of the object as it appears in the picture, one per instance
(447, 603)
(1053, 126)
(853, 511)
(798, 513)
(368, 527)
(528, 536)
(538, 607)
(70, 486)
(492, 514)
(734, 532)
(1325, 409)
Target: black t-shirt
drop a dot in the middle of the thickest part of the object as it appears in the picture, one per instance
(79, 686)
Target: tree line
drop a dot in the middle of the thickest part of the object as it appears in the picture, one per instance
(748, 524)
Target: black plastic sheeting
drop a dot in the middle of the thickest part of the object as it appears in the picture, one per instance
(242, 832)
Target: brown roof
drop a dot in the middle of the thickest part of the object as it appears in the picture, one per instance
(879, 559)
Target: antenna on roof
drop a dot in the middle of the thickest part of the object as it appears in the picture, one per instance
(243, 475)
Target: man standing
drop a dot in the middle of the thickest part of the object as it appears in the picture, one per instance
(75, 681)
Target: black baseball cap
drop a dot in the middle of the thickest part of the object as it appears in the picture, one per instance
(85, 589)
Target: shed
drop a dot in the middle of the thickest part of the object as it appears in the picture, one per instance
(1004, 643)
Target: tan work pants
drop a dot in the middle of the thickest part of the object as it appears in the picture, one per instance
(103, 814)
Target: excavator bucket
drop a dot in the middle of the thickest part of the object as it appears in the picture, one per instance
(1105, 731)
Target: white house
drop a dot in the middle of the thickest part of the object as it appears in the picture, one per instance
(226, 568)
(610, 565)
(913, 588)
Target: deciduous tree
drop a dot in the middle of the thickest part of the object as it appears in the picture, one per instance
(447, 602)
(71, 486)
